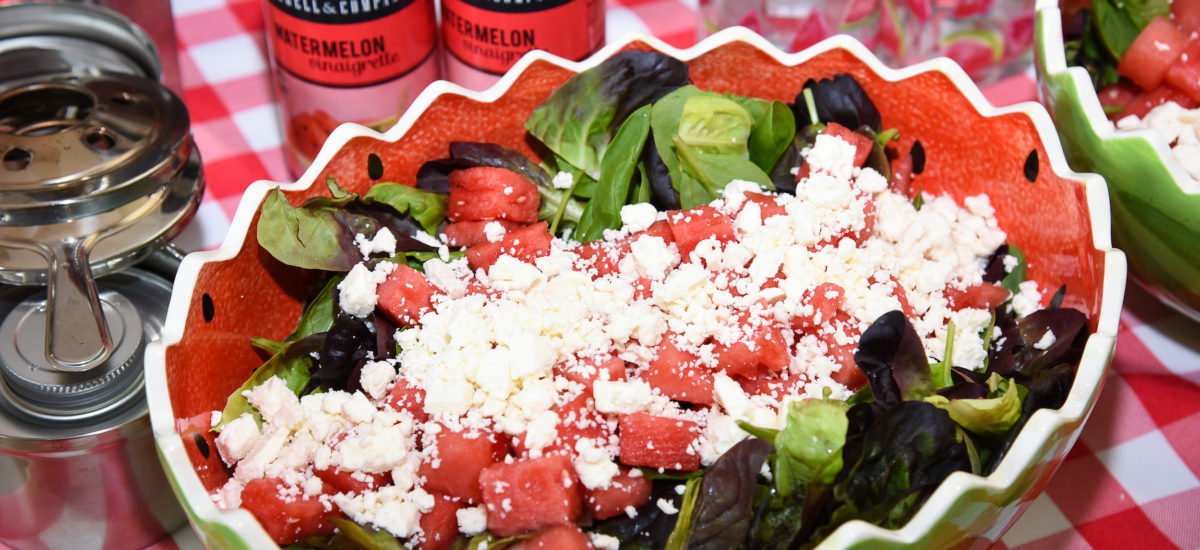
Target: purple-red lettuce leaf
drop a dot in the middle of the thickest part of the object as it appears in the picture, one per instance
(892, 357)
(663, 193)
(839, 99)
(723, 510)
(348, 344)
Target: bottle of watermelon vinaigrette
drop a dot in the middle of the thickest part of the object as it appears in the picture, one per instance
(358, 61)
(484, 38)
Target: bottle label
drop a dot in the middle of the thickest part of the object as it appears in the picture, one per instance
(491, 35)
(350, 43)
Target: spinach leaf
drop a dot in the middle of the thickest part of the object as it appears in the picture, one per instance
(579, 118)
(723, 511)
(1115, 26)
(616, 173)
(772, 130)
(320, 234)
(428, 208)
(291, 359)
(292, 365)
(352, 536)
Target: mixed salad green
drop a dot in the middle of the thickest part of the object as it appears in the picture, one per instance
(632, 130)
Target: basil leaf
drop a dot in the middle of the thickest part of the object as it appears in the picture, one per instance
(616, 172)
(714, 123)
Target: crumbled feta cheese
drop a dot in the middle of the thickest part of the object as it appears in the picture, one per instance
(383, 242)
(472, 520)
(357, 291)
(563, 180)
(237, 438)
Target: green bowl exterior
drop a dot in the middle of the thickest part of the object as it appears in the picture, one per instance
(1154, 221)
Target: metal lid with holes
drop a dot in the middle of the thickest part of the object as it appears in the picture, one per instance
(52, 37)
(97, 164)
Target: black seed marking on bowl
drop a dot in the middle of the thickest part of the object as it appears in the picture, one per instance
(1031, 166)
(207, 307)
(201, 444)
(918, 157)
(374, 166)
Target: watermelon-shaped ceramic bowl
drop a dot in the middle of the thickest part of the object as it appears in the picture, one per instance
(1059, 218)
(1155, 202)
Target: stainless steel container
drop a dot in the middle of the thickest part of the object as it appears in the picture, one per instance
(98, 171)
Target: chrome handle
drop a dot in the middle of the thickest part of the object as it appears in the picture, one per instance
(77, 336)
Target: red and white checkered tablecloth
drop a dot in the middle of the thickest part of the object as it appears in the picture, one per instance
(1132, 480)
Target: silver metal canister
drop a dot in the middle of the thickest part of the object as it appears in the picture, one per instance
(98, 171)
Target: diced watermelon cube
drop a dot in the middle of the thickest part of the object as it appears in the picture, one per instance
(987, 296)
(643, 288)
(624, 491)
(455, 468)
(1186, 14)
(526, 244)
(342, 481)
(530, 494)
(825, 299)
(768, 205)
(862, 144)
(1184, 73)
(1153, 51)
(491, 193)
(841, 348)
(658, 442)
(284, 512)
(405, 295)
(689, 227)
(559, 537)
(1149, 100)
(677, 374)
(440, 523)
(660, 229)
(592, 368)
(1115, 98)
(471, 233)
(577, 419)
(762, 344)
(971, 8)
(773, 386)
(601, 258)
(407, 396)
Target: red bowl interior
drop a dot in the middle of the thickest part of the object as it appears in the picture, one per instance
(967, 154)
